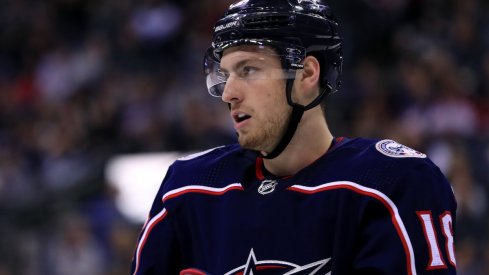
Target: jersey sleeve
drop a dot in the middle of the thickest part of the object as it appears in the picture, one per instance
(409, 227)
(157, 250)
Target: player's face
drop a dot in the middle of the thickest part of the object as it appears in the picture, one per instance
(256, 94)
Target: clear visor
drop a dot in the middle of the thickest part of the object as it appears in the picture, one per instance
(251, 69)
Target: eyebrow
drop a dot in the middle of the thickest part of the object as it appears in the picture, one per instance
(238, 65)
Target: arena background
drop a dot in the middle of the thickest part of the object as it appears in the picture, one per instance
(83, 82)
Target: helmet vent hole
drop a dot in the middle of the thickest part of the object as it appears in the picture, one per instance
(264, 22)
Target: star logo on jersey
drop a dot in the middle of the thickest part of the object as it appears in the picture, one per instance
(265, 267)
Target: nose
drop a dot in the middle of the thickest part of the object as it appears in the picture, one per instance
(232, 91)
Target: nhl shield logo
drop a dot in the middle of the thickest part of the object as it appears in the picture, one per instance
(267, 186)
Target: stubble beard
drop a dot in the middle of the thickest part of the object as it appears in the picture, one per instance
(266, 136)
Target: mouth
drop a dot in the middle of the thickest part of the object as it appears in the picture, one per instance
(240, 117)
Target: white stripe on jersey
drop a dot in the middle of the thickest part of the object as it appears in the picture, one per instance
(201, 189)
(147, 229)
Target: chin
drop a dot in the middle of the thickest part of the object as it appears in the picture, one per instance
(246, 145)
(247, 142)
(252, 143)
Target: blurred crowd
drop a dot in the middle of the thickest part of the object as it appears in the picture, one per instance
(82, 81)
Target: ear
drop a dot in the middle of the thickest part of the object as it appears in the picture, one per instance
(309, 79)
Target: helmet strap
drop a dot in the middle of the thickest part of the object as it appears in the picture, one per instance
(294, 119)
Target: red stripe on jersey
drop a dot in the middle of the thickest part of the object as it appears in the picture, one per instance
(192, 271)
(259, 168)
(379, 196)
(263, 267)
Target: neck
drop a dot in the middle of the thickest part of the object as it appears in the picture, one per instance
(311, 140)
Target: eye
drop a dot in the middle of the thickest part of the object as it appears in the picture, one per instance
(248, 70)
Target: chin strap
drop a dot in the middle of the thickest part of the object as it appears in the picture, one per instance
(294, 119)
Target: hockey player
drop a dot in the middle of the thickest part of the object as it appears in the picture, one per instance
(290, 198)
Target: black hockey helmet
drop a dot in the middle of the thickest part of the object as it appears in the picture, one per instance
(293, 28)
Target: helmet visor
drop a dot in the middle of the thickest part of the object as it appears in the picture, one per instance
(253, 69)
(215, 79)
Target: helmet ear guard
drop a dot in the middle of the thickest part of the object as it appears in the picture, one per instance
(331, 64)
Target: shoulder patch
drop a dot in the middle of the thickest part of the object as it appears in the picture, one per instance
(393, 149)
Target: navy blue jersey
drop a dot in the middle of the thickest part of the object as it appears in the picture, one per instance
(364, 207)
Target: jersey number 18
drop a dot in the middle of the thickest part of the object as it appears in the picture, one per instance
(436, 260)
